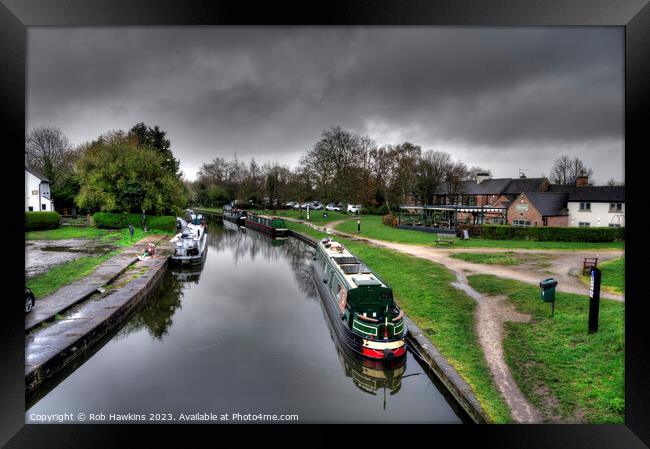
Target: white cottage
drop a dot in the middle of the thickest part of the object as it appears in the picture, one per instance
(597, 206)
(37, 191)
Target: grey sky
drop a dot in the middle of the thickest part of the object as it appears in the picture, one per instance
(501, 98)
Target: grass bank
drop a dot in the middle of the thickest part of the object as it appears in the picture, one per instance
(373, 227)
(445, 314)
(65, 273)
(612, 276)
(68, 272)
(506, 258)
(569, 375)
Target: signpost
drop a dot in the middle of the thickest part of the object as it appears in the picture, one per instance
(594, 299)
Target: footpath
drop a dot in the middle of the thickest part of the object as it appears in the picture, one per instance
(47, 307)
(90, 315)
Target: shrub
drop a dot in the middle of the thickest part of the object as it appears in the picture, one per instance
(381, 210)
(107, 220)
(472, 229)
(41, 220)
(558, 234)
(390, 220)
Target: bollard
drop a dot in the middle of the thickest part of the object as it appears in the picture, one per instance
(594, 299)
(131, 231)
(359, 226)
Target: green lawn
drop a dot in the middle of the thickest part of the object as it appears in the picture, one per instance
(66, 232)
(445, 314)
(505, 258)
(566, 373)
(373, 227)
(65, 273)
(612, 276)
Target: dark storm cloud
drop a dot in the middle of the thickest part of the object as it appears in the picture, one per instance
(501, 98)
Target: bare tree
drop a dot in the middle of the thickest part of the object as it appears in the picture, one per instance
(565, 170)
(475, 170)
(383, 168)
(432, 168)
(46, 150)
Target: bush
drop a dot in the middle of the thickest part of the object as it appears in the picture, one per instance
(472, 229)
(107, 220)
(390, 220)
(41, 220)
(557, 234)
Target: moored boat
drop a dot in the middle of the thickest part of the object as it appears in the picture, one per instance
(359, 304)
(274, 226)
(237, 216)
(190, 245)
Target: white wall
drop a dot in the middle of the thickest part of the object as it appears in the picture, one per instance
(33, 185)
(599, 216)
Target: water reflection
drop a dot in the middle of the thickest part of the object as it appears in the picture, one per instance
(155, 315)
(248, 333)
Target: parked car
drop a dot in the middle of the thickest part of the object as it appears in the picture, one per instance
(316, 205)
(354, 208)
(333, 207)
(29, 300)
(290, 204)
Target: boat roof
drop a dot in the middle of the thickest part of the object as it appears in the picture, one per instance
(271, 217)
(348, 265)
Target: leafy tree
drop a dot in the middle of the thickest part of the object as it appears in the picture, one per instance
(146, 136)
(115, 176)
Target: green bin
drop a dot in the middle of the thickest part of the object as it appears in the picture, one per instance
(548, 289)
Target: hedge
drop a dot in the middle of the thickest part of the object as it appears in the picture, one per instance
(107, 220)
(41, 220)
(557, 234)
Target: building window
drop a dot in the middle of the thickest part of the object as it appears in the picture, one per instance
(615, 207)
(583, 224)
(585, 206)
(31, 208)
(43, 206)
(521, 222)
(544, 221)
(471, 201)
(498, 221)
(614, 225)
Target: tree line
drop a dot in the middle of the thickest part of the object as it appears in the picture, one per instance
(120, 171)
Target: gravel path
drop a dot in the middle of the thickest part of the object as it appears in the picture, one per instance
(493, 311)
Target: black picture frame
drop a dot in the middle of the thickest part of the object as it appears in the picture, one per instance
(634, 15)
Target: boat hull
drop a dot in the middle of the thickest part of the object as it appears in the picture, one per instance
(379, 350)
(199, 259)
(273, 232)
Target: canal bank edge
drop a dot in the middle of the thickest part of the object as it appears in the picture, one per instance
(427, 351)
(140, 288)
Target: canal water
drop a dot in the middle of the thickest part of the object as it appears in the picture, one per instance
(245, 334)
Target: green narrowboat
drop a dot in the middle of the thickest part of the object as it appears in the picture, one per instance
(273, 226)
(359, 304)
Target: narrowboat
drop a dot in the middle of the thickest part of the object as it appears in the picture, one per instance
(190, 245)
(273, 226)
(237, 216)
(359, 304)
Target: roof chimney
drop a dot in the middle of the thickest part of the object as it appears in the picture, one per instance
(582, 179)
(480, 177)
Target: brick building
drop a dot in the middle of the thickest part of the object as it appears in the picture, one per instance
(538, 209)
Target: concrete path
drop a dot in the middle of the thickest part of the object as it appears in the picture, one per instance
(51, 348)
(67, 296)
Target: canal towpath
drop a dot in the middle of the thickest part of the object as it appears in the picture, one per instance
(50, 348)
(49, 306)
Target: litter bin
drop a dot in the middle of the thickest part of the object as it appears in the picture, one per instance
(548, 289)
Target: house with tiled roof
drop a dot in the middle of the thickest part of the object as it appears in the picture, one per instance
(538, 209)
(37, 191)
(596, 206)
